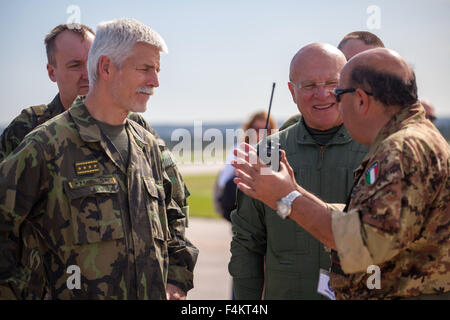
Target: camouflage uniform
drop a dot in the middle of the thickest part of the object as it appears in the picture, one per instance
(399, 217)
(24, 123)
(120, 225)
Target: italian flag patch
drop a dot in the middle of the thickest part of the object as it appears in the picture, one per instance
(372, 173)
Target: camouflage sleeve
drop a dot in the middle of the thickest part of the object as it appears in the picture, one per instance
(19, 190)
(182, 253)
(248, 248)
(13, 135)
(336, 206)
(389, 213)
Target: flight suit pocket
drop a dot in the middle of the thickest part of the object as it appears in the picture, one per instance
(285, 236)
(156, 209)
(95, 209)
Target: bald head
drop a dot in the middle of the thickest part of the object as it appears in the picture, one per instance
(322, 56)
(382, 60)
(314, 74)
(384, 73)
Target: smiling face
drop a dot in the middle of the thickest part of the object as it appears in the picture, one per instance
(70, 66)
(135, 80)
(314, 75)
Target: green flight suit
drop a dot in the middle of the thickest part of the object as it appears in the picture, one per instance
(292, 256)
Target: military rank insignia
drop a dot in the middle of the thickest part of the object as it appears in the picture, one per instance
(372, 173)
(86, 167)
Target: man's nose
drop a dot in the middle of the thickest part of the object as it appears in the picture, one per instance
(153, 79)
(84, 72)
(323, 92)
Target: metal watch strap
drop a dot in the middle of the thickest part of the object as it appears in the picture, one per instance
(292, 196)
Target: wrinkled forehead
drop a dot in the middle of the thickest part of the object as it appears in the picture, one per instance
(319, 67)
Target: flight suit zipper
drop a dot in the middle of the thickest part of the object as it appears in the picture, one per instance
(321, 152)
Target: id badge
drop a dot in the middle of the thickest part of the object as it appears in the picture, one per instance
(323, 286)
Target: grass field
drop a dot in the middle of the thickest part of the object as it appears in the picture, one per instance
(201, 198)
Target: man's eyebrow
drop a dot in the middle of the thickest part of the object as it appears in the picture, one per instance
(73, 61)
(149, 66)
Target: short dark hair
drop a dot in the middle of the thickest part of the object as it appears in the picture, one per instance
(367, 37)
(388, 88)
(49, 41)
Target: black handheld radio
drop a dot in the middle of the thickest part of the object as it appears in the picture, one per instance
(269, 146)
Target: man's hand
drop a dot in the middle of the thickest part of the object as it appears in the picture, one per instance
(267, 186)
(174, 293)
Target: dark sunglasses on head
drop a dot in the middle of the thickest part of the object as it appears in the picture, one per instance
(339, 92)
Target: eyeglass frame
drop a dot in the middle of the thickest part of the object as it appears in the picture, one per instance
(338, 92)
(314, 85)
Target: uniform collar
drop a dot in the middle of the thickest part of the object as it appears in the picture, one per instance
(304, 137)
(56, 107)
(90, 131)
(404, 117)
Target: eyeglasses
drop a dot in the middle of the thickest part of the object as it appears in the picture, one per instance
(339, 92)
(314, 86)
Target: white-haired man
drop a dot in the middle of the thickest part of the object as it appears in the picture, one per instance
(91, 182)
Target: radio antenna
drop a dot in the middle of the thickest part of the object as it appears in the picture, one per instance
(270, 106)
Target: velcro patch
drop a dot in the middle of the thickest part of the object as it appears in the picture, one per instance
(86, 167)
(86, 182)
(167, 159)
(39, 110)
(372, 173)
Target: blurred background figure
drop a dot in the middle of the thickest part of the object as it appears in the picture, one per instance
(225, 189)
(358, 41)
(429, 110)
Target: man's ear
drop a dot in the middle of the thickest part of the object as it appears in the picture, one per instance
(363, 101)
(51, 72)
(104, 67)
(291, 89)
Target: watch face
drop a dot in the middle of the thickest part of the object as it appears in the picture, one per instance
(282, 209)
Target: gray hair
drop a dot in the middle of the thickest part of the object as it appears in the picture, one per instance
(115, 39)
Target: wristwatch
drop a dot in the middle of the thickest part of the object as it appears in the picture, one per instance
(284, 205)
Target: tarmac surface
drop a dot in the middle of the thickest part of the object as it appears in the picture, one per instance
(211, 278)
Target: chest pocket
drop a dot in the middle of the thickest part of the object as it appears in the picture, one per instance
(95, 209)
(156, 210)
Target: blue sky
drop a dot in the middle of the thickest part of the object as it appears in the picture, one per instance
(224, 55)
